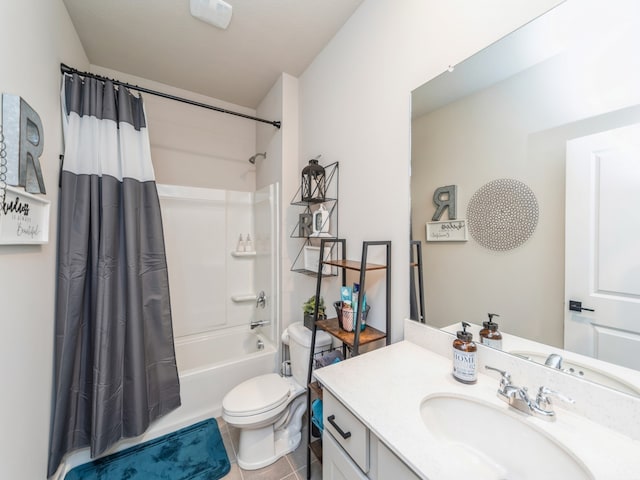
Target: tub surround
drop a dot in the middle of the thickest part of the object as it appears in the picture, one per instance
(384, 389)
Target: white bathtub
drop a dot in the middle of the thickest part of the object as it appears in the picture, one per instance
(209, 365)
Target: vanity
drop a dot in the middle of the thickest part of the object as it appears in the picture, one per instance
(397, 413)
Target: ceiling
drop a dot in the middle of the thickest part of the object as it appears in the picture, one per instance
(160, 40)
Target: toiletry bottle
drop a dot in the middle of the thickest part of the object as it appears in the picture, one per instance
(490, 335)
(464, 356)
(355, 300)
(320, 221)
(248, 244)
(240, 244)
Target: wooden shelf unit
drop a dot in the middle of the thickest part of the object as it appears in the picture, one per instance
(368, 335)
(351, 340)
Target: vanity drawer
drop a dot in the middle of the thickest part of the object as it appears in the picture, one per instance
(349, 432)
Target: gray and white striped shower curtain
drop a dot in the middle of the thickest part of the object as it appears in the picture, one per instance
(115, 369)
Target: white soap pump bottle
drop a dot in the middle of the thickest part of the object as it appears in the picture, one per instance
(320, 221)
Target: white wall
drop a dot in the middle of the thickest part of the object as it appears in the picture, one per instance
(36, 35)
(355, 108)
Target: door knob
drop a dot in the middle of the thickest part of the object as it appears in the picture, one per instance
(576, 306)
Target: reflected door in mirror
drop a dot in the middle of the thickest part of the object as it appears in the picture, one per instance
(602, 245)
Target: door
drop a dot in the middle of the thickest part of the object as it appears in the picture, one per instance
(336, 464)
(602, 246)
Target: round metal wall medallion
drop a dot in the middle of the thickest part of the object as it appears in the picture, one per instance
(502, 214)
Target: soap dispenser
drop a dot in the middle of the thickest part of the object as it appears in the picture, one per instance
(464, 356)
(490, 335)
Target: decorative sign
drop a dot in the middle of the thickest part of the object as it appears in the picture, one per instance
(24, 144)
(502, 214)
(304, 224)
(445, 198)
(451, 231)
(24, 218)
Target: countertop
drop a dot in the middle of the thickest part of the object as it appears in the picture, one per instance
(385, 388)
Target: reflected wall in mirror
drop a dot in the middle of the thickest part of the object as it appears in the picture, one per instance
(508, 112)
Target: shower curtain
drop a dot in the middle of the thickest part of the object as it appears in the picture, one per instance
(115, 369)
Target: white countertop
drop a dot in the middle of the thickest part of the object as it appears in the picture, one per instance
(384, 389)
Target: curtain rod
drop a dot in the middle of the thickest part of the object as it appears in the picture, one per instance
(67, 69)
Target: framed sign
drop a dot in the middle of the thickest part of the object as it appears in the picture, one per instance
(451, 231)
(24, 218)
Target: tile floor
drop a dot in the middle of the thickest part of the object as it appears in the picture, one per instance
(290, 467)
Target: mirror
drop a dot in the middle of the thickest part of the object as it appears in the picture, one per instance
(507, 113)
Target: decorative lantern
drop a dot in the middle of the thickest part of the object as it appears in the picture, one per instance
(314, 186)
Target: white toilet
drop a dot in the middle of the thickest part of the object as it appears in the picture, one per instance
(268, 409)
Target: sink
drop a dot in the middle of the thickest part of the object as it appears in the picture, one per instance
(498, 443)
(584, 371)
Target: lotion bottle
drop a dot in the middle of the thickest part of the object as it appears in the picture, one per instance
(240, 244)
(320, 222)
(248, 244)
(490, 335)
(464, 356)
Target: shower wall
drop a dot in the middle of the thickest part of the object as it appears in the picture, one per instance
(211, 287)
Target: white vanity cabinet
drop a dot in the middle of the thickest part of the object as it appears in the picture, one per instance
(351, 452)
(336, 464)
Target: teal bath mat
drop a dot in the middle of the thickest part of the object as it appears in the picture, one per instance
(192, 453)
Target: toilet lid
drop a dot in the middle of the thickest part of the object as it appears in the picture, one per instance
(256, 395)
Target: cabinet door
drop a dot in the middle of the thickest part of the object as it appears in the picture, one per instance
(336, 464)
(390, 466)
(347, 430)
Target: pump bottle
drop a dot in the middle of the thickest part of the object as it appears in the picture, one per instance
(464, 356)
(490, 335)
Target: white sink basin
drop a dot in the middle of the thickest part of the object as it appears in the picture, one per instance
(499, 443)
(584, 371)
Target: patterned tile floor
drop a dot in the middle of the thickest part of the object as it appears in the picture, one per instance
(290, 467)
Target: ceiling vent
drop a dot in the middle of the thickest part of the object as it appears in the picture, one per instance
(215, 12)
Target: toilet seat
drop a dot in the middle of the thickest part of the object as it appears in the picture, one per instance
(257, 395)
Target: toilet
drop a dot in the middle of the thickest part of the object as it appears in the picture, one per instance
(268, 409)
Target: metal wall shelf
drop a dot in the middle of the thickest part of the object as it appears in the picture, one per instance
(331, 203)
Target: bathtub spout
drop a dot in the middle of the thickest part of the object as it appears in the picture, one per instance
(259, 323)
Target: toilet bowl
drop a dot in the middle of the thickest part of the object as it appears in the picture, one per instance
(268, 409)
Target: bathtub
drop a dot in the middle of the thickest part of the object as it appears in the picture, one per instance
(209, 365)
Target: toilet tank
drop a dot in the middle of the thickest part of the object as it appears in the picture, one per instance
(299, 338)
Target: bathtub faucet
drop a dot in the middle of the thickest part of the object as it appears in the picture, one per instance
(259, 323)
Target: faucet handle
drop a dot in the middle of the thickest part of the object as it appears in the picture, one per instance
(543, 401)
(506, 376)
(505, 379)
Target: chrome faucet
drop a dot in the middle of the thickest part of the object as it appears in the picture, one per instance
(543, 402)
(554, 361)
(518, 397)
(261, 299)
(259, 323)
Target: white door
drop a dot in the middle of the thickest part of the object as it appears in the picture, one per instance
(602, 246)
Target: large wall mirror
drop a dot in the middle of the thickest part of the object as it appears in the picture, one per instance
(564, 87)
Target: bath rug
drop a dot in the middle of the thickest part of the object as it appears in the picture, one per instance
(192, 453)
